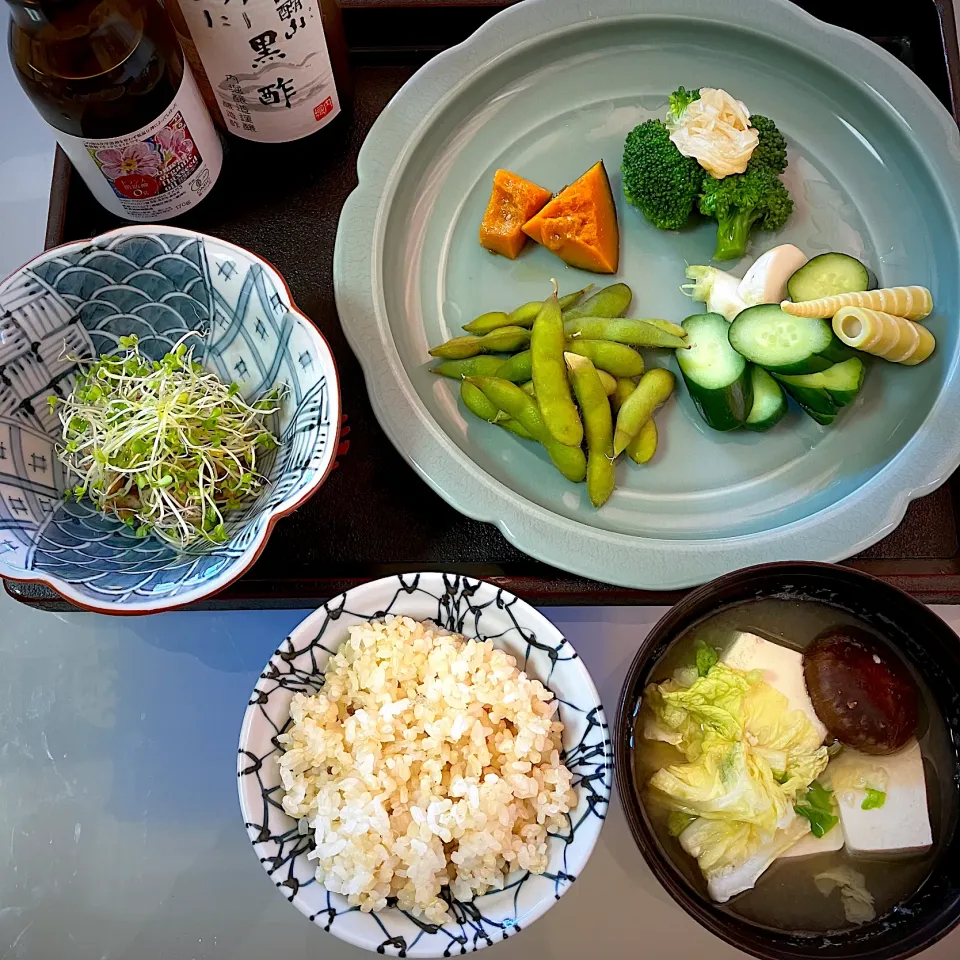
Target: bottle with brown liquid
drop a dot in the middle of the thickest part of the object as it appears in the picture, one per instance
(110, 78)
(276, 70)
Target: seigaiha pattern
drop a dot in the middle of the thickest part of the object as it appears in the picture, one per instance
(893, 338)
(912, 303)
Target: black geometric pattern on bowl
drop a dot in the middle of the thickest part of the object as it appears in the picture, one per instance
(478, 610)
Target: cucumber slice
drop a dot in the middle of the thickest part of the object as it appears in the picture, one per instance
(769, 403)
(717, 377)
(828, 275)
(767, 336)
(815, 401)
(842, 381)
(824, 419)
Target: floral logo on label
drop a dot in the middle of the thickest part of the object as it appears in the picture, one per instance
(155, 165)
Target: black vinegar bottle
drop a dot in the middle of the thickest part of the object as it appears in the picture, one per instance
(110, 78)
(272, 71)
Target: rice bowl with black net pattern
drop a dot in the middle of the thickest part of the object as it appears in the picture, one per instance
(431, 781)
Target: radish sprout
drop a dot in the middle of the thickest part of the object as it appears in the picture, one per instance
(163, 445)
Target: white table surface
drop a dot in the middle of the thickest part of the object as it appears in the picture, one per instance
(120, 831)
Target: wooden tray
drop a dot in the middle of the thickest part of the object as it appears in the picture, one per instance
(374, 516)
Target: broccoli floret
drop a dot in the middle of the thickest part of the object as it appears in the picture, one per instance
(756, 197)
(680, 99)
(771, 149)
(657, 178)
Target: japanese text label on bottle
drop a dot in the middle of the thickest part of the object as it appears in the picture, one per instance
(268, 65)
(158, 171)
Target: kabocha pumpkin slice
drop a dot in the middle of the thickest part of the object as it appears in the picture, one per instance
(513, 201)
(580, 224)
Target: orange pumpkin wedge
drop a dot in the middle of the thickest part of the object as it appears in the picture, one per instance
(580, 224)
(513, 201)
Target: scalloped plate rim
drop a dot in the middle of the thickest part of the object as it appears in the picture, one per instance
(480, 496)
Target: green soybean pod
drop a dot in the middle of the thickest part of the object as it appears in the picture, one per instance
(526, 313)
(669, 327)
(509, 398)
(625, 387)
(511, 425)
(517, 369)
(482, 365)
(611, 301)
(644, 445)
(617, 359)
(476, 401)
(608, 382)
(569, 299)
(503, 340)
(487, 322)
(634, 333)
(598, 426)
(654, 388)
(550, 375)
(609, 385)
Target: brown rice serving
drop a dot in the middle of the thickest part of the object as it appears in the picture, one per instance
(426, 760)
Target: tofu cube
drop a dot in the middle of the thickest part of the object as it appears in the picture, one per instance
(902, 824)
(810, 844)
(782, 669)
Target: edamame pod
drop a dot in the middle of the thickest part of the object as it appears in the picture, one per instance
(598, 426)
(654, 388)
(479, 366)
(634, 333)
(475, 400)
(625, 387)
(525, 314)
(644, 445)
(503, 340)
(508, 423)
(487, 322)
(617, 359)
(550, 375)
(509, 398)
(516, 369)
(669, 327)
(611, 301)
(569, 299)
(609, 384)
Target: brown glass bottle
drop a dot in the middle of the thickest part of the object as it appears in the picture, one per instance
(275, 70)
(109, 77)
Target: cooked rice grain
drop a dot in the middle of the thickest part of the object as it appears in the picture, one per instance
(427, 759)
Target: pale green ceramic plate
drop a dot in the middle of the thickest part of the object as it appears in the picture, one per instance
(547, 88)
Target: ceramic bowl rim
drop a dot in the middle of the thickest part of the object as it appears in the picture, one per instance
(347, 601)
(250, 556)
(694, 606)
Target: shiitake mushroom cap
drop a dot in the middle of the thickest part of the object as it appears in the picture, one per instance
(861, 690)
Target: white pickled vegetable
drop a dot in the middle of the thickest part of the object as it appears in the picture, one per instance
(766, 280)
(716, 131)
(716, 288)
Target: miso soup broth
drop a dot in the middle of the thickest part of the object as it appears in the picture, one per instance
(785, 897)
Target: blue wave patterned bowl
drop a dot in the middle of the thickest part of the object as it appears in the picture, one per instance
(159, 283)
(475, 609)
